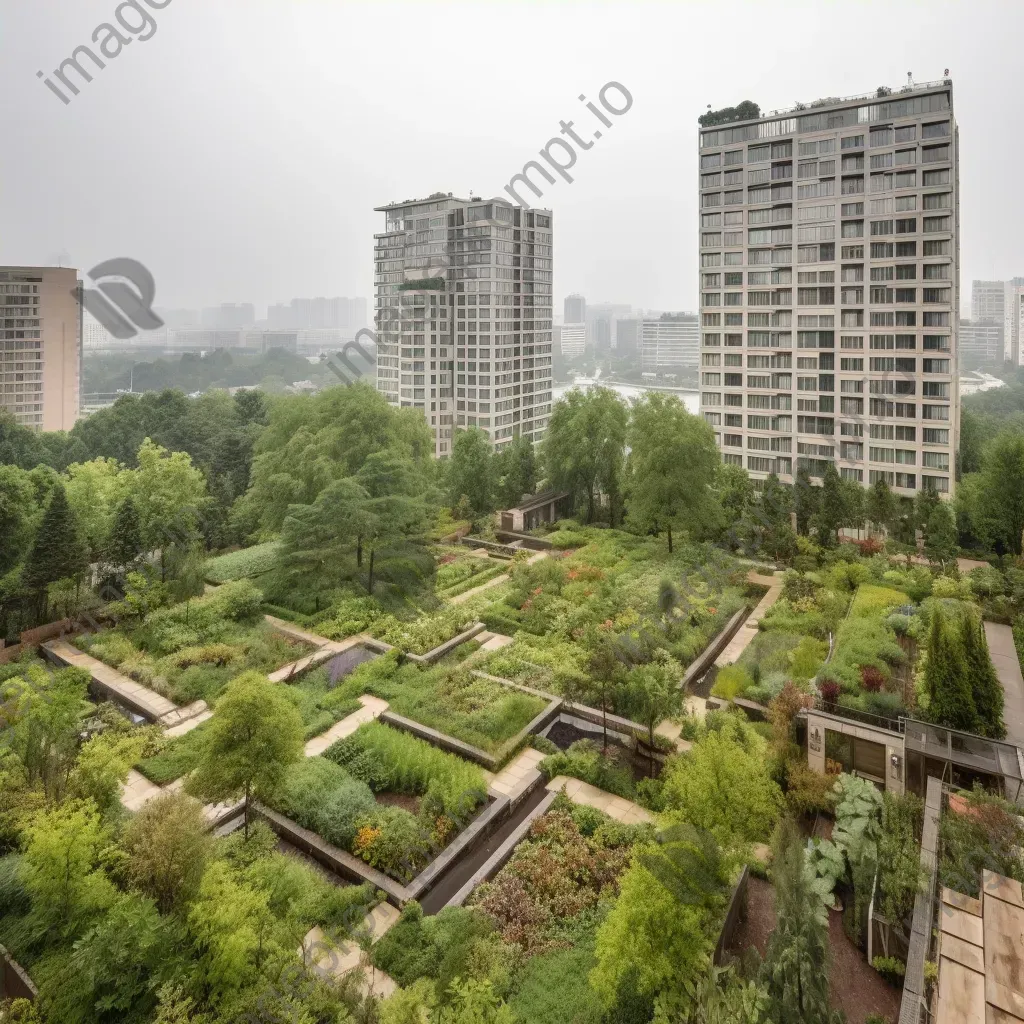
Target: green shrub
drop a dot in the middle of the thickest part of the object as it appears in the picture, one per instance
(731, 681)
(237, 565)
(321, 796)
(387, 759)
(890, 968)
(423, 634)
(585, 760)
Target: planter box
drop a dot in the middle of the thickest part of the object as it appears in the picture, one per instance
(349, 866)
(706, 658)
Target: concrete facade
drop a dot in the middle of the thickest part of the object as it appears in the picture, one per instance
(829, 263)
(464, 316)
(40, 346)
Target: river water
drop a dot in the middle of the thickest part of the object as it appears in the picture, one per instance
(689, 398)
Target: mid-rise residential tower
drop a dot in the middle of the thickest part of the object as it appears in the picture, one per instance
(830, 288)
(40, 346)
(463, 315)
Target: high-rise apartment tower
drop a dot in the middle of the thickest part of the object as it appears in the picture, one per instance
(40, 346)
(463, 315)
(830, 288)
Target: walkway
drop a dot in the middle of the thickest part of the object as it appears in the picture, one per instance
(373, 707)
(617, 807)
(518, 775)
(738, 644)
(503, 578)
(335, 961)
(1004, 657)
(133, 695)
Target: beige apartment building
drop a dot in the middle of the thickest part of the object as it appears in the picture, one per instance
(40, 346)
(829, 269)
(463, 315)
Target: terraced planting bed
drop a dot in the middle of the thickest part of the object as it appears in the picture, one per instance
(448, 698)
(319, 703)
(617, 592)
(389, 799)
(189, 651)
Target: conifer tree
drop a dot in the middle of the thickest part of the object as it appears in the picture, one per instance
(796, 967)
(831, 510)
(952, 703)
(57, 552)
(125, 544)
(981, 673)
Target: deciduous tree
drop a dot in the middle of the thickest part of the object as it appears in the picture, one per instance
(673, 462)
(254, 734)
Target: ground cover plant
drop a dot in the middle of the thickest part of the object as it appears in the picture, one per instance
(190, 650)
(245, 563)
(448, 698)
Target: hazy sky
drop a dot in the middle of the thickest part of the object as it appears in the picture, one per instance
(240, 151)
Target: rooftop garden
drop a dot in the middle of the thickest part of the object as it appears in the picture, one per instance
(190, 650)
(446, 697)
(384, 795)
(745, 111)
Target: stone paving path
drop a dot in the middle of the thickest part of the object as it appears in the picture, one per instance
(137, 790)
(1004, 657)
(373, 707)
(519, 774)
(467, 594)
(139, 698)
(325, 649)
(738, 644)
(617, 807)
(337, 961)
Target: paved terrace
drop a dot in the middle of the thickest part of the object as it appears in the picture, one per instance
(1004, 657)
(748, 630)
(131, 694)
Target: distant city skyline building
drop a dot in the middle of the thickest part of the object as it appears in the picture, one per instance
(574, 309)
(627, 335)
(318, 313)
(573, 340)
(229, 315)
(671, 340)
(463, 312)
(981, 343)
(40, 346)
(1000, 302)
(829, 272)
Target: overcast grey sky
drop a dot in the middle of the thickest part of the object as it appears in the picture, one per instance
(240, 151)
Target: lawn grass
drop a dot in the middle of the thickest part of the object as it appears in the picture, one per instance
(243, 564)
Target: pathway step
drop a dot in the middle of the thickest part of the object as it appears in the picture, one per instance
(373, 707)
(121, 688)
(617, 807)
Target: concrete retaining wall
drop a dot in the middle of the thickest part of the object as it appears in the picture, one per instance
(497, 860)
(14, 980)
(707, 657)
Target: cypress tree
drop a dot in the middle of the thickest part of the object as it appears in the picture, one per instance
(987, 690)
(832, 509)
(57, 552)
(952, 704)
(796, 966)
(125, 543)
